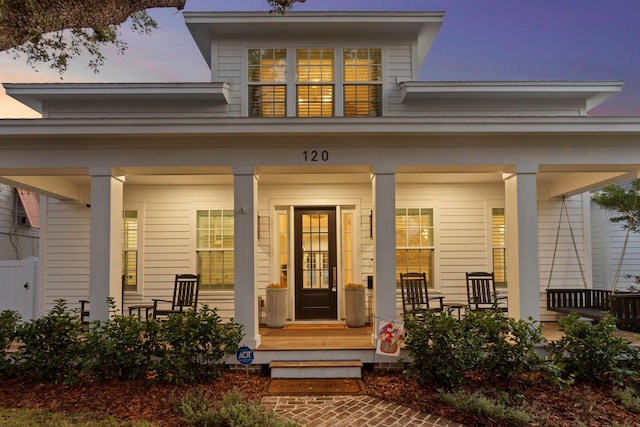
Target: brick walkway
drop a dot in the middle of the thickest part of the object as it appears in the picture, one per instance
(347, 411)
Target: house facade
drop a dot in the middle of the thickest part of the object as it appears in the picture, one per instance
(313, 158)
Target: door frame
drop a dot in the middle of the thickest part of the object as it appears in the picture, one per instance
(278, 205)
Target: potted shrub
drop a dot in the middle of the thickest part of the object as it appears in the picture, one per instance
(276, 305)
(354, 294)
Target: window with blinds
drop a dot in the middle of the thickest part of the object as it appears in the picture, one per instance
(130, 250)
(215, 249)
(415, 243)
(315, 82)
(499, 247)
(362, 82)
(267, 75)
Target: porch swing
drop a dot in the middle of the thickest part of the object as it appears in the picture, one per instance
(590, 303)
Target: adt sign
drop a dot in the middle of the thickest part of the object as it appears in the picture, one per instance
(244, 355)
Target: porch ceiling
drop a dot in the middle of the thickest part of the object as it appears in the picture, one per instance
(68, 183)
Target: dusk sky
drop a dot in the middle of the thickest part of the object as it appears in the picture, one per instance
(479, 40)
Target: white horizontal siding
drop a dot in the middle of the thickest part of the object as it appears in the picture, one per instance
(168, 247)
(66, 263)
(229, 69)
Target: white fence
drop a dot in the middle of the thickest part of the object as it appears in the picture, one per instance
(18, 286)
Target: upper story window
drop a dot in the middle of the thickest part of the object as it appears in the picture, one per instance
(267, 82)
(315, 82)
(362, 82)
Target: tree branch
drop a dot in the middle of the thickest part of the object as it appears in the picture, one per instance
(22, 21)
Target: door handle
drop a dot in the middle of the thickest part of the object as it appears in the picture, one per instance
(335, 279)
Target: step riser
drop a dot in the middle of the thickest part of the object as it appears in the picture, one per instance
(316, 372)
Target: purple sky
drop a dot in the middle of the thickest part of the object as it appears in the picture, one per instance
(479, 40)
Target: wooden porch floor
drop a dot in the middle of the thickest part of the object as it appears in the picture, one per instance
(361, 338)
(316, 339)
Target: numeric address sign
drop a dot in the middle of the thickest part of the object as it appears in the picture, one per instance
(315, 156)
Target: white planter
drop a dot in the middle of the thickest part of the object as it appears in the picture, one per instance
(276, 306)
(354, 307)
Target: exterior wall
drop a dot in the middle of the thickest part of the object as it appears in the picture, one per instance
(601, 253)
(168, 230)
(607, 248)
(65, 238)
(399, 68)
(167, 227)
(564, 270)
(230, 68)
(16, 241)
(356, 196)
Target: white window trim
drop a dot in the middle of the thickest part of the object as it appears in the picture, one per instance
(193, 212)
(488, 210)
(140, 208)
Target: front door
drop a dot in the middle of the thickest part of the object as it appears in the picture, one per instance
(315, 264)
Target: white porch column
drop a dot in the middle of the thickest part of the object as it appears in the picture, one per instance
(106, 241)
(523, 266)
(384, 240)
(245, 193)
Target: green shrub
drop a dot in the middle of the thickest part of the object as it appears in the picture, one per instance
(441, 348)
(52, 347)
(484, 407)
(233, 411)
(9, 320)
(121, 347)
(591, 353)
(197, 343)
(509, 345)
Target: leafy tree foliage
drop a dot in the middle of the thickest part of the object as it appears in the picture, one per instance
(623, 203)
(55, 31)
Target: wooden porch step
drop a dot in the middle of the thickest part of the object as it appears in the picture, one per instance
(316, 369)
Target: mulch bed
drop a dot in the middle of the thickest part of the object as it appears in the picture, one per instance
(580, 404)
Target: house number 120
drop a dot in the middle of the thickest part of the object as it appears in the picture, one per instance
(315, 156)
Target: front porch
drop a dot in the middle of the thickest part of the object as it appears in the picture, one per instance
(321, 343)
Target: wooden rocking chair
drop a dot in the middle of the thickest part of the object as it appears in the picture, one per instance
(415, 295)
(185, 296)
(482, 294)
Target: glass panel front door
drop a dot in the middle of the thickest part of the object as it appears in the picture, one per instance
(315, 253)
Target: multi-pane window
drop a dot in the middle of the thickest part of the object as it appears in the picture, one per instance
(499, 247)
(267, 77)
(130, 250)
(315, 82)
(214, 249)
(362, 82)
(315, 251)
(415, 242)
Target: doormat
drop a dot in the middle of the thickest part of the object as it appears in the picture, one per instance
(316, 326)
(314, 386)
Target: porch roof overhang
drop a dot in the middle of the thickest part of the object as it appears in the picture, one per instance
(581, 96)
(587, 152)
(50, 130)
(42, 96)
